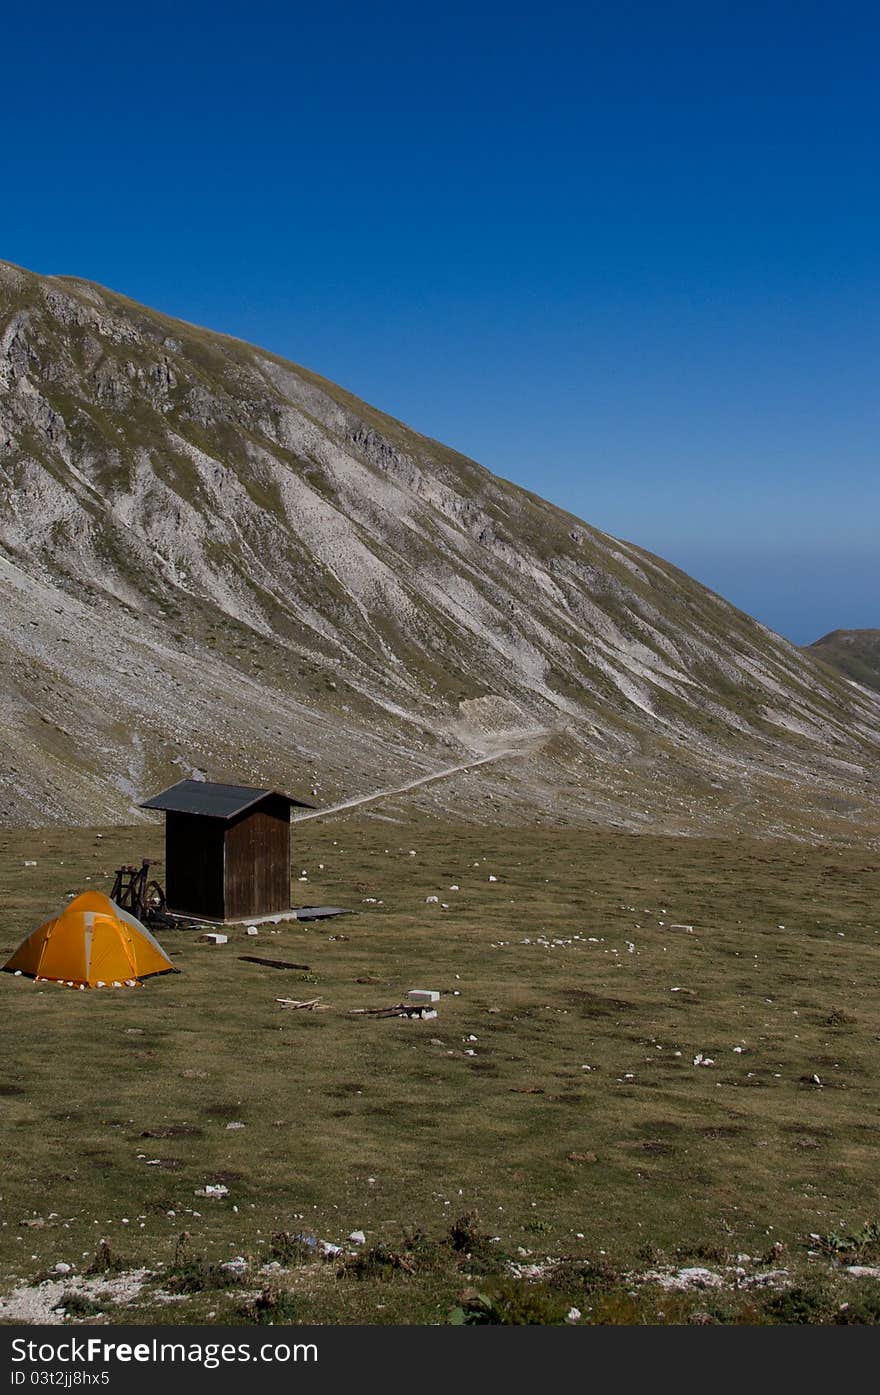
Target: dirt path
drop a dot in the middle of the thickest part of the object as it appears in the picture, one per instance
(522, 747)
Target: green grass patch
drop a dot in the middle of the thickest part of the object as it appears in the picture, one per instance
(555, 1096)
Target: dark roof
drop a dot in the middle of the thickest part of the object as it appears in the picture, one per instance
(214, 801)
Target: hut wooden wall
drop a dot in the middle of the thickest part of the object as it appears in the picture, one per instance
(194, 865)
(257, 878)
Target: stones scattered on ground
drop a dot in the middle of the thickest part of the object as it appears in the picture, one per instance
(42, 1304)
(237, 1266)
(697, 1277)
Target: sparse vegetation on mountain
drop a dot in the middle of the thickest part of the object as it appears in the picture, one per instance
(855, 652)
(215, 560)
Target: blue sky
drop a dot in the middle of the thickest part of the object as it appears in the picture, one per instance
(625, 255)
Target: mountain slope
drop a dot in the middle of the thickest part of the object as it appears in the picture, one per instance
(855, 652)
(213, 559)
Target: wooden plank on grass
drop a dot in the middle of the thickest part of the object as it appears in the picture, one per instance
(273, 963)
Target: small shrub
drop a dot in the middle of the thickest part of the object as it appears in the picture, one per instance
(465, 1235)
(469, 1242)
(509, 1304)
(804, 1303)
(79, 1305)
(197, 1275)
(417, 1242)
(105, 1261)
(706, 1253)
(582, 1275)
(853, 1247)
(838, 1018)
(863, 1311)
(290, 1249)
(650, 1253)
(272, 1307)
(379, 1262)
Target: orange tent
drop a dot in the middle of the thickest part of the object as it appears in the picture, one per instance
(92, 943)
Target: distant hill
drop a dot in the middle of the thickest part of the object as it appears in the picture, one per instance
(214, 560)
(855, 652)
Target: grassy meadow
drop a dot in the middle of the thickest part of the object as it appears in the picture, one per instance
(553, 1111)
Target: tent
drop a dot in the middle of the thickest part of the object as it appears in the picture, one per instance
(92, 943)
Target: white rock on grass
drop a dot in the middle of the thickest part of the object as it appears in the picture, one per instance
(769, 1278)
(42, 1304)
(235, 1266)
(683, 1279)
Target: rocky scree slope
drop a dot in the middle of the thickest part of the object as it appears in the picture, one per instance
(214, 560)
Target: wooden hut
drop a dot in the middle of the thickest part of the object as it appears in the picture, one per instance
(227, 849)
